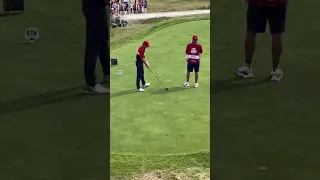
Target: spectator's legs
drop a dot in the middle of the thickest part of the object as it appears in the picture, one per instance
(91, 52)
(104, 55)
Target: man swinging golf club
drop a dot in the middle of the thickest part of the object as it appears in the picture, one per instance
(193, 52)
(140, 60)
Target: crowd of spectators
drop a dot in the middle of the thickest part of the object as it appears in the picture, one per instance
(123, 7)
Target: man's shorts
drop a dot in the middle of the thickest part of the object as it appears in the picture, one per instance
(194, 67)
(258, 16)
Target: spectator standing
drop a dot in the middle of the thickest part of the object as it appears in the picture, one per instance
(131, 7)
(97, 35)
(145, 4)
(126, 4)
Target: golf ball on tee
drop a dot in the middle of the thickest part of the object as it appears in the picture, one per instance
(119, 72)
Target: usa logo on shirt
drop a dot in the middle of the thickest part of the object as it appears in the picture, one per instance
(193, 50)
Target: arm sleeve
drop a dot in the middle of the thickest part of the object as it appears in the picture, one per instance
(201, 51)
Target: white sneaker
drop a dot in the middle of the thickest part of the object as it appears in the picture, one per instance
(146, 85)
(245, 72)
(141, 90)
(186, 84)
(196, 85)
(276, 74)
(97, 89)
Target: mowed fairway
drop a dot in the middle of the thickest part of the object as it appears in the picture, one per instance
(159, 121)
(257, 123)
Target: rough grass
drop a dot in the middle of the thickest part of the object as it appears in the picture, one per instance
(187, 174)
(177, 5)
(156, 167)
(139, 29)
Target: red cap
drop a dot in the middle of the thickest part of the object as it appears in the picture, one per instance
(195, 38)
(146, 43)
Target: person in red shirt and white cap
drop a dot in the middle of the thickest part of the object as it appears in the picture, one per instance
(140, 60)
(193, 52)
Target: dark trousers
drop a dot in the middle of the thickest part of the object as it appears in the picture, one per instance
(97, 35)
(140, 74)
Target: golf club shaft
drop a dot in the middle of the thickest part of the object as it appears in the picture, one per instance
(157, 78)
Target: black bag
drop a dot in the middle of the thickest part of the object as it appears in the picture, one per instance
(13, 5)
(114, 62)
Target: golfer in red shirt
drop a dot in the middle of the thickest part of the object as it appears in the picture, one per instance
(140, 60)
(193, 52)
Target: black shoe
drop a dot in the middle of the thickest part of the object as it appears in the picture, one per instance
(97, 89)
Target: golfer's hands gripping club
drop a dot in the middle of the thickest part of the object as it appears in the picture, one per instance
(146, 63)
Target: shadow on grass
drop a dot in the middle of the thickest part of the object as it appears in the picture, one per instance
(122, 93)
(234, 83)
(218, 86)
(170, 90)
(24, 43)
(32, 102)
(159, 91)
(8, 15)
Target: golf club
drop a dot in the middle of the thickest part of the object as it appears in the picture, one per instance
(159, 80)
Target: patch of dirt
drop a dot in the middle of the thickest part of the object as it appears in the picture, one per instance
(187, 174)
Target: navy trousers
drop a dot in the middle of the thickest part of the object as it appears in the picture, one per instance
(97, 35)
(140, 74)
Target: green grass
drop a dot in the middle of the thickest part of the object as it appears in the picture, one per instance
(177, 5)
(124, 165)
(48, 128)
(258, 123)
(159, 122)
(142, 28)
